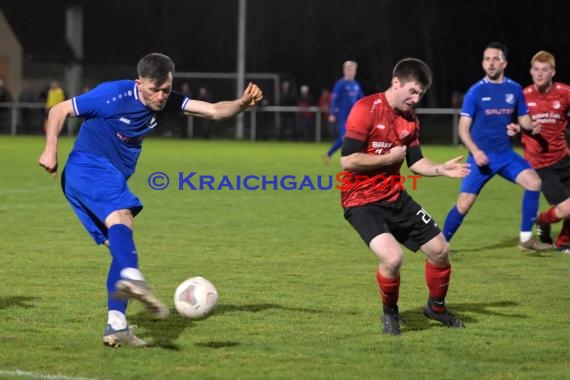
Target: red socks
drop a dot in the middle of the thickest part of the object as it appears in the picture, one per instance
(389, 290)
(564, 236)
(437, 279)
(548, 216)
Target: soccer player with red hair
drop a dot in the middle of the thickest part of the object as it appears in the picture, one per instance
(548, 103)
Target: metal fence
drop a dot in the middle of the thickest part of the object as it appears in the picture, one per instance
(15, 117)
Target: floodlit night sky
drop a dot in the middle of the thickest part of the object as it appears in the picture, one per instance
(306, 41)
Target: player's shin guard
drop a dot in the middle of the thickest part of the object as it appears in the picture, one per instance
(390, 292)
(529, 209)
(452, 223)
(437, 279)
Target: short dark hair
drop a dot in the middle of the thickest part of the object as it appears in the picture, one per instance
(155, 66)
(499, 46)
(409, 69)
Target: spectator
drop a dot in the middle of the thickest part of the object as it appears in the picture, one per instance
(5, 97)
(262, 121)
(456, 99)
(186, 91)
(26, 112)
(287, 119)
(55, 95)
(306, 118)
(324, 105)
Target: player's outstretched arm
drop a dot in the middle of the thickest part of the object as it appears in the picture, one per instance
(54, 124)
(252, 95)
(453, 168)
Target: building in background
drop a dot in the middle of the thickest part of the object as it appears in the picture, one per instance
(10, 58)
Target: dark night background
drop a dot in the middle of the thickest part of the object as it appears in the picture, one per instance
(305, 40)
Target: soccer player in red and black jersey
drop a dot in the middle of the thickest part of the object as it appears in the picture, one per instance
(382, 130)
(549, 104)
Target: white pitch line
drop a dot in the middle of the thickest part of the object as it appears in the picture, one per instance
(34, 375)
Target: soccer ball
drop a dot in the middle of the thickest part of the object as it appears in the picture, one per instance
(195, 298)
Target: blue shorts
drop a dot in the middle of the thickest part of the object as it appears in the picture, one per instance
(507, 164)
(95, 188)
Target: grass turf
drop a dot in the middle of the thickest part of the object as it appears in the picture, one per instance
(298, 299)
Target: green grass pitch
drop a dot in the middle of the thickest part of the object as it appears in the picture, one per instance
(298, 298)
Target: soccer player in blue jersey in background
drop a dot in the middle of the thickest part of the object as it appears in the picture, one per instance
(489, 107)
(346, 92)
(118, 115)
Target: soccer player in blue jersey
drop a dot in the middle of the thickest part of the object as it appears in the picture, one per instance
(346, 92)
(489, 107)
(118, 115)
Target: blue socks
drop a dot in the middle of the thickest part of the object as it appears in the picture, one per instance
(112, 278)
(122, 247)
(452, 223)
(338, 142)
(530, 204)
(337, 145)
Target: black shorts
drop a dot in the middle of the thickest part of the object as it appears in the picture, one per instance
(556, 181)
(410, 224)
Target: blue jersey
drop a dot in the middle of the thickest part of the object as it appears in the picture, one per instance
(491, 107)
(116, 122)
(345, 94)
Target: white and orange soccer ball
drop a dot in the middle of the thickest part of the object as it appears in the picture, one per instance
(195, 298)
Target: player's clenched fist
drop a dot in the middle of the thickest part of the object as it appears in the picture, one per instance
(252, 95)
(48, 161)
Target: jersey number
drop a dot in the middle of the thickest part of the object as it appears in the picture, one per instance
(426, 218)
